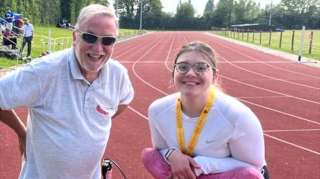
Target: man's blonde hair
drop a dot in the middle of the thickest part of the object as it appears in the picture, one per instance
(95, 9)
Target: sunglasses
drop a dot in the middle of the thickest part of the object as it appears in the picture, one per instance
(198, 68)
(91, 38)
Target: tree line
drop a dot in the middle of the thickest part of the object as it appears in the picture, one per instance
(223, 14)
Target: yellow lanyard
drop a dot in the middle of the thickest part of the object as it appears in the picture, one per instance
(200, 123)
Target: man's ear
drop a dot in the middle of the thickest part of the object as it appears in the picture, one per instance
(74, 37)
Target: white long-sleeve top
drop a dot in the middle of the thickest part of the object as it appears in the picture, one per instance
(232, 136)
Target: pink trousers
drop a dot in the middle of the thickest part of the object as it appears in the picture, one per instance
(160, 169)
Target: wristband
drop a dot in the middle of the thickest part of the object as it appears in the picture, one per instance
(168, 153)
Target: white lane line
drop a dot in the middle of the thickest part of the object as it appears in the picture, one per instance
(263, 97)
(291, 130)
(269, 90)
(268, 77)
(281, 112)
(138, 76)
(292, 144)
(137, 112)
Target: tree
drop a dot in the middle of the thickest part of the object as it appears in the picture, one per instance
(223, 13)
(208, 15)
(104, 2)
(298, 12)
(127, 7)
(151, 11)
(209, 8)
(65, 6)
(185, 15)
(245, 11)
(48, 12)
(298, 6)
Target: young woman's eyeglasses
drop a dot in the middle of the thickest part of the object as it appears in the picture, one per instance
(91, 38)
(198, 68)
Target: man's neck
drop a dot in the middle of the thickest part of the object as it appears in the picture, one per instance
(90, 76)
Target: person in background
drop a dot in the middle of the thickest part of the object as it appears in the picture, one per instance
(27, 36)
(71, 97)
(8, 16)
(200, 131)
(10, 34)
(9, 39)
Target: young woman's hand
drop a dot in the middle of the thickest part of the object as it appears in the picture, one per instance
(182, 166)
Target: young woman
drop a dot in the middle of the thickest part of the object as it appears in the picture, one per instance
(201, 132)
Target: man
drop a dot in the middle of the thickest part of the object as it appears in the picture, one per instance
(71, 97)
(9, 19)
(27, 37)
(9, 38)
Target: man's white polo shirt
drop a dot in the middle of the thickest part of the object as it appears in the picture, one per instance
(69, 119)
(28, 30)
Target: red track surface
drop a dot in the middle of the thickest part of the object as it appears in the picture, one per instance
(285, 95)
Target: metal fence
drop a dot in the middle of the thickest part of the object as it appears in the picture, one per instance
(306, 42)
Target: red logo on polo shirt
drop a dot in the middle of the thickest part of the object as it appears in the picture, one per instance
(100, 110)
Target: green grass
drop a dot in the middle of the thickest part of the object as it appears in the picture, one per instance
(4, 62)
(286, 43)
(60, 39)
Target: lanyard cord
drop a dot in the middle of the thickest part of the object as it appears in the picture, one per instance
(200, 123)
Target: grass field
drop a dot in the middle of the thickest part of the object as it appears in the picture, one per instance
(286, 44)
(52, 39)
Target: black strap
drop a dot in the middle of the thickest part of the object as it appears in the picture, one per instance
(106, 167)
(265, 172)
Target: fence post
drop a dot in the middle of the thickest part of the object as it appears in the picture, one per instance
(310, 43)
(270, 33)
(253, 36)
(280, 42)
(292, 41)
(260, 37)
(301, 43)
(49, 40)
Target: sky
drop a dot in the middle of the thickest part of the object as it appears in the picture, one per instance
(199, 5)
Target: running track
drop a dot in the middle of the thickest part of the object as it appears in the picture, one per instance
(285, 96)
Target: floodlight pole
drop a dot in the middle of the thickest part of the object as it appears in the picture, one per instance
(270, 14)
(140, 27)
(117, 8)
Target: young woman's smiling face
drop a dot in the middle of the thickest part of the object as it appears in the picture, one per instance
(197, 80)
